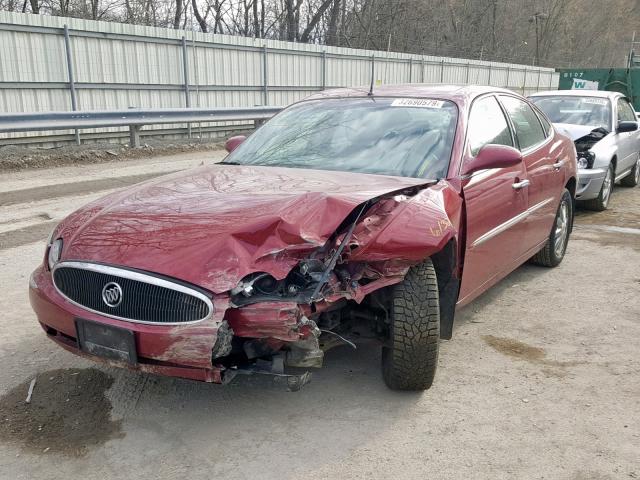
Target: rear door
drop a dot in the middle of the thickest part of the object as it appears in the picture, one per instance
(627, 142)
(544, 165)
(496, 203)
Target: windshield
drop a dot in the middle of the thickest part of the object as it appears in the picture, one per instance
(385, 136)
(591, 111)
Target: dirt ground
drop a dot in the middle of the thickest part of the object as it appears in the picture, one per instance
(16, 157)
(540, 381)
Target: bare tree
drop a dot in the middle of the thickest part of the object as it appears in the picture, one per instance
(568, 33)
(178, 14)
(201, 20)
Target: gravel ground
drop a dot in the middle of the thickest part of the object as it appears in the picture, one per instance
(16, 157)
(541, 379)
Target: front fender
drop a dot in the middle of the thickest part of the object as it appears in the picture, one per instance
(418, 227)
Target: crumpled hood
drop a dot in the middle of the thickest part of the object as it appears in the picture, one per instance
(574, 132)
(213, 225)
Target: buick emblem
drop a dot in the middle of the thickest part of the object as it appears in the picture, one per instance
(112, 294)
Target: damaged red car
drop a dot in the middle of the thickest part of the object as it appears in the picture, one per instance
(349, 214)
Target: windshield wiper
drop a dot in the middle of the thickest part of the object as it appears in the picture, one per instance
(229, 163)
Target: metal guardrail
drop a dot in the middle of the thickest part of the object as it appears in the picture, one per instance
(133, 118)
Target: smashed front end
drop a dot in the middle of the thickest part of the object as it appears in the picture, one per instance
(268, 281)
(590, 174)
(338, 293)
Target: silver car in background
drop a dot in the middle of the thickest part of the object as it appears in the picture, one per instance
(604, 128)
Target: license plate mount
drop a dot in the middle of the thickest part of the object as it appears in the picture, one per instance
(106, 341)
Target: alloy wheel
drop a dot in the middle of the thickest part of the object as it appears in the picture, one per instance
(562, 229)
(606, 187)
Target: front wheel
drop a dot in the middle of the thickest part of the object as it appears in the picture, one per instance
(601, 202)
(553, 252)
(410, 356)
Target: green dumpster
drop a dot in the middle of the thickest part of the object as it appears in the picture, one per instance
(623, 80)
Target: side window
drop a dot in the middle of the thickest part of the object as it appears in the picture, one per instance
(525, 121)
(625, 111)
(545, 123)
(487, 125)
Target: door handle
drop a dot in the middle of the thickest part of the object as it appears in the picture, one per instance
(521, 185)
(558, 164)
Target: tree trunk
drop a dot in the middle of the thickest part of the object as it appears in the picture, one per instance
(332, 30)
(314, 20)
(256, 19)
(201, 21)
(176, 20)
(291, 31)
(35, 8)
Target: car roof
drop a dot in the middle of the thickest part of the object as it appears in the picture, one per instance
(457, 93)
(578, 93)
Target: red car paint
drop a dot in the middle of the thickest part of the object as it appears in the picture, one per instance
(213, 225)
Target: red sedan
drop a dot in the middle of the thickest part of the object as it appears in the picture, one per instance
(348, 214)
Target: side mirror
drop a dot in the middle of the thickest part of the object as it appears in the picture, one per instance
(493, 156)
(232, 143)
(627, 126)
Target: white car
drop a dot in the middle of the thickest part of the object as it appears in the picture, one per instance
(604, 128)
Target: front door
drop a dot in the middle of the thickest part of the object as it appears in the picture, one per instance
(545, 166)
(496, 204)
(628, 141)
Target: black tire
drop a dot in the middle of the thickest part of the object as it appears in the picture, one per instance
(601, 202)
(633, 178)
(410, 358)
(553, 251)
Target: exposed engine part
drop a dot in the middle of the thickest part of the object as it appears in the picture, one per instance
(223, 346)
(586, 158)
(306, 352)
(589, 140)
(334, 258)
(331, 319)
(309, 277)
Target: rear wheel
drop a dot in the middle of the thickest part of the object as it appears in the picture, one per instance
(633, 178)
(553, 252)
(410, 358)
(601, 202)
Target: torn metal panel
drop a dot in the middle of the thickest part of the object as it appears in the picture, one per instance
(280, 320)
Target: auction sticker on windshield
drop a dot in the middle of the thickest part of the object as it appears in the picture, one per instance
(595, 101)
(417, 102)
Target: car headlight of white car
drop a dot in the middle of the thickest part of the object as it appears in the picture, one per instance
(586, 159)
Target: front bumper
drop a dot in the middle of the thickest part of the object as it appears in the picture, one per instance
(178, 351)
(589, 183)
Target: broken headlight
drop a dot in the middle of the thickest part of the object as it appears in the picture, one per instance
(55, 249)
(303, 277)
(586, 159)
(256, 283)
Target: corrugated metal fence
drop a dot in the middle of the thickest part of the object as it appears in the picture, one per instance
(53, 64)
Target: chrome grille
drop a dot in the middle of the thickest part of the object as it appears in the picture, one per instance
(144, 298)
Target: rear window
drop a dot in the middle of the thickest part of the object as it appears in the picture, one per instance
(525, 122)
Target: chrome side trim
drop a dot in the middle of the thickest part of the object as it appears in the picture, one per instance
(137, 276)
(623, 174)
(509, 223)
